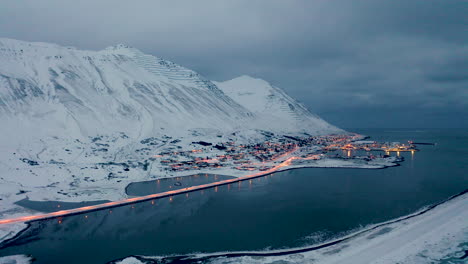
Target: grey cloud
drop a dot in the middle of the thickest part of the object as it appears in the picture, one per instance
(342, 59)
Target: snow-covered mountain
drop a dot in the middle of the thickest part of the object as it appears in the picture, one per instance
(78, 125)
(54, 90)
(61, 89)
(272, 107)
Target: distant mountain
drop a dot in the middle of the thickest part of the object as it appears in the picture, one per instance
(273, 108)
(50, 90)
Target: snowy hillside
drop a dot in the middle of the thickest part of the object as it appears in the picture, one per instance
(274, 109)
(56, 90)
(81, 125)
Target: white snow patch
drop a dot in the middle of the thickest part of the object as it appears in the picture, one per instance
(16, 259)
(130, 260)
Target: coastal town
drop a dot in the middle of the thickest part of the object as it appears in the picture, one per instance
(263, 156)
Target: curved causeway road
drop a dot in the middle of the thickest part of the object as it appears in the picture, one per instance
(84, 209)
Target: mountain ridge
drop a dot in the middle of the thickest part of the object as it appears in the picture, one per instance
(121, 88)
(272, 105)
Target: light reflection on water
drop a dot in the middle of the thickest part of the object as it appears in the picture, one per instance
(168, 184)
(274, 211)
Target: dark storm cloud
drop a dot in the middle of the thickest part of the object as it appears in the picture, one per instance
(391, 63)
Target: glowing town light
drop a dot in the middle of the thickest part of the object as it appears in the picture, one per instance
(153, 196)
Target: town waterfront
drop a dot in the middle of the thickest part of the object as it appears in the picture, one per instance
(286, 209)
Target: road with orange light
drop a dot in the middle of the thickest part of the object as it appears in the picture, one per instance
(84, 209)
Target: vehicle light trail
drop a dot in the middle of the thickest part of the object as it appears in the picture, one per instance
(97, 207)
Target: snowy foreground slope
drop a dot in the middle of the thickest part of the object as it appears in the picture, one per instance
(435, 236)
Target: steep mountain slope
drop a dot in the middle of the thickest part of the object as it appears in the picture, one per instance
(65, 90)
(57, 91)
(273, 108)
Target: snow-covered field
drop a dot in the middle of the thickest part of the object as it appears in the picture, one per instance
(438, 235)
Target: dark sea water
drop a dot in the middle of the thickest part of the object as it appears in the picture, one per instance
(170, 184)
(283, 210)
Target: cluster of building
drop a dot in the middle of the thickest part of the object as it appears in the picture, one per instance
(241, 157)
(261, 156)
(377, 146)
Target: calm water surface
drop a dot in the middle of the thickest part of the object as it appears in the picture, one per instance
(170, 184)
(288, 209)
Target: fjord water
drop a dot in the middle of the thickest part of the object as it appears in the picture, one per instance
(287, 209)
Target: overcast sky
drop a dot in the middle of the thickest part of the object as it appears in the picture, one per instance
(356, 63)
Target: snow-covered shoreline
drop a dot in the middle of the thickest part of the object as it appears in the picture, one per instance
(433, 233)
(93, 176)
(8, 231)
